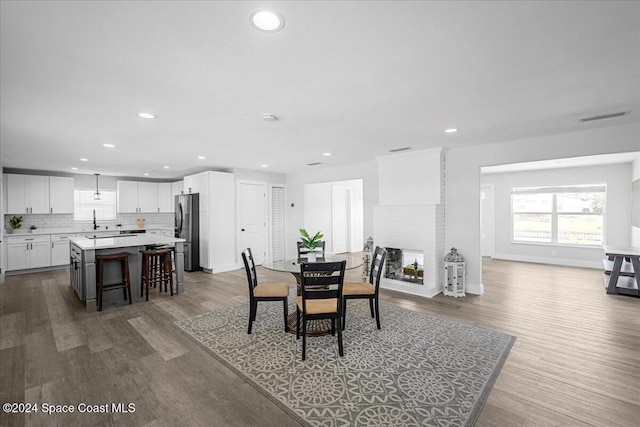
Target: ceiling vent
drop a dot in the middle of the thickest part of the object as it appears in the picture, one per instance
(268, 117)
(314, 164)
(397, 150)
(604, 116)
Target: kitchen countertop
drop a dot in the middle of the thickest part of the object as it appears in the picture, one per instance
(75, 230)
(122, 241)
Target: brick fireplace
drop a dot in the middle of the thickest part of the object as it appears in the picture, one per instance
(410, 215)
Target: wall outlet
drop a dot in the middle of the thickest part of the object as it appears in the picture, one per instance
(553, 252)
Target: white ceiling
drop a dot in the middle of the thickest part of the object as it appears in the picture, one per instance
(352, 78)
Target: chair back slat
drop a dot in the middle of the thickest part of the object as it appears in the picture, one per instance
(320, 280)
(304, 252)
(379, 257)
(250, 268)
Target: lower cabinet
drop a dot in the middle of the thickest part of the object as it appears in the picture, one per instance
(60, 249)
(28, 252)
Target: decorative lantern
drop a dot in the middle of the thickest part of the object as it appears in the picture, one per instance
(454, 272)
(367, 253)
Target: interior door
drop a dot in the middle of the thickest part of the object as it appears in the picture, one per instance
(252, 210)
(341, 217)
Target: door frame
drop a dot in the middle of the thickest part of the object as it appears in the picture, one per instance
(265, 184)
(348, 214)
(492, 245)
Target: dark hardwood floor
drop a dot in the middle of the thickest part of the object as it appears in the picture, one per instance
(576, 360)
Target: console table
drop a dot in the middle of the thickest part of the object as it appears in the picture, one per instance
(630, 277)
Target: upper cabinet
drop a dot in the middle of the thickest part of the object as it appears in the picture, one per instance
(165, 198)
(148, 197)
(61, 194)
(27, 194)
(144, 197)
(127, 197)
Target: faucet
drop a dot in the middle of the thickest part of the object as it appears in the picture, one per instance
(95, 225)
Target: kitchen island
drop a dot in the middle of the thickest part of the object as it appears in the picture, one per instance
(83, 250)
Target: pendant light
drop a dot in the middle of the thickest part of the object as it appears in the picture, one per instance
(96, 195)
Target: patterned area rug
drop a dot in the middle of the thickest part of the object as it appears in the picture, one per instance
(418, 370)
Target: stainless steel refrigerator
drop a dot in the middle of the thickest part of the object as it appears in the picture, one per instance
(187, 216)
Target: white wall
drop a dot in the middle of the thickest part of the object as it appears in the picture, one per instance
(617, 212)
(463, 177)
(367, 171)
(317, 207)
(635, 174)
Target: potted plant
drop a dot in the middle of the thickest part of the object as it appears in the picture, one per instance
(33, 228)
(15, 222)
(310, 243)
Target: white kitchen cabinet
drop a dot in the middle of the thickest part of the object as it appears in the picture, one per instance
(217, 218)
(60, 194)
(28, 252)
(165, 197)
(148, 197)
(60, 249)
(127, 196)
(176, 188)
(199, 183)
(137, 197)
(27, 194)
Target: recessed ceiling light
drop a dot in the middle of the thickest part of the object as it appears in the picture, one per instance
(326, 154)
(74, 168)
(267, 20)
(201, 157)
(147, 115)
(84, 160)
(451, 130)
(265, 166)
(146, 174)
(167, 167)
(108, 145)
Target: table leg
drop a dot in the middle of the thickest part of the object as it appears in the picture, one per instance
(615, 273)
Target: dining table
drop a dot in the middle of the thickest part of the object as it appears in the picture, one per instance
(623, 268)
(292, 265)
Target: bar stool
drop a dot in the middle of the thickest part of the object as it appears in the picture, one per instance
(125, 285)
(172, 251)
(156, 271)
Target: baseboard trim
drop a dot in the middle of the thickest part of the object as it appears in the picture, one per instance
(475, 289)
(36, 270)
(553, 261)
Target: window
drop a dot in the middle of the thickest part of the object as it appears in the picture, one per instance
(84, 205)
(571, 215)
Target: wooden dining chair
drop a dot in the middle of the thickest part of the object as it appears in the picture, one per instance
(270, 292)
(370, 290)
(321, 298)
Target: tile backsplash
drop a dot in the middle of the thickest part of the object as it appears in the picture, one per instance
(67, 221)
